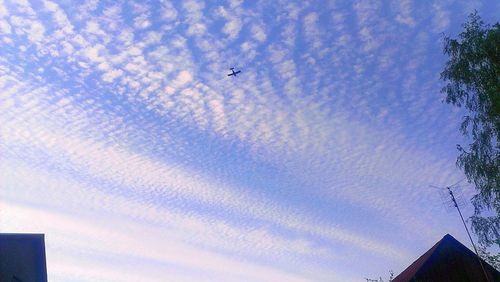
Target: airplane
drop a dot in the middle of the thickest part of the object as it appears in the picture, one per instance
(233, 72)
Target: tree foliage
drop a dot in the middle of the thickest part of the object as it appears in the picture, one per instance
(472, 76)
(391, 278)
(491, 259)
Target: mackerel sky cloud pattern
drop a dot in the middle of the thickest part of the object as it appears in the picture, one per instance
(123, 140)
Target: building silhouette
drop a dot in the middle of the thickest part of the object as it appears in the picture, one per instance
(22, 258)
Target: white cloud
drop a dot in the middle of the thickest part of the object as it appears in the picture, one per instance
(232, 28)
(3, 9)
(194, 8)
(86, 8)
(168, 12)
(369, 24)
(441, 18)
(219, 120)
(126, 37)
(93, 53)
(36, 32)
(94, 28)
(310, 21)
(59, 16)
(111, 75)
(5, 27)
(194, 14)
(182, 79)
(28, 23)
(196, 29)
(311, 30)
(142, 21)
(258, 33)
(404, 15)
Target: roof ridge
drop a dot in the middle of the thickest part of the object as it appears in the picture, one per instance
(411, 270)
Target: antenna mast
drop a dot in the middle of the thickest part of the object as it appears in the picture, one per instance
(467, 229)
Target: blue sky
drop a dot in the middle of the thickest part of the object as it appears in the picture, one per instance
(123, 140)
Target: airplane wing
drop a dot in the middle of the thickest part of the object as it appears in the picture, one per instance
(237, 72)
(230, 74)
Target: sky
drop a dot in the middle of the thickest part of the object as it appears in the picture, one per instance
(124, 141)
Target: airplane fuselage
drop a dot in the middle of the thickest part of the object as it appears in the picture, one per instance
(234, 73)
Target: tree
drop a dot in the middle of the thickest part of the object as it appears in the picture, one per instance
(491, 259)
(472, 76)
(391, 277)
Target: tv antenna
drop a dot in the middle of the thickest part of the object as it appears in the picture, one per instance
(451, 203)
(457, 205)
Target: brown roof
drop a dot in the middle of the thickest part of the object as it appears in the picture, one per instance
(411, 270)
(447, 260)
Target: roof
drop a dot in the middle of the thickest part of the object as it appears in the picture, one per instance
(34, 236)
(447, 259)
(411, 270)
